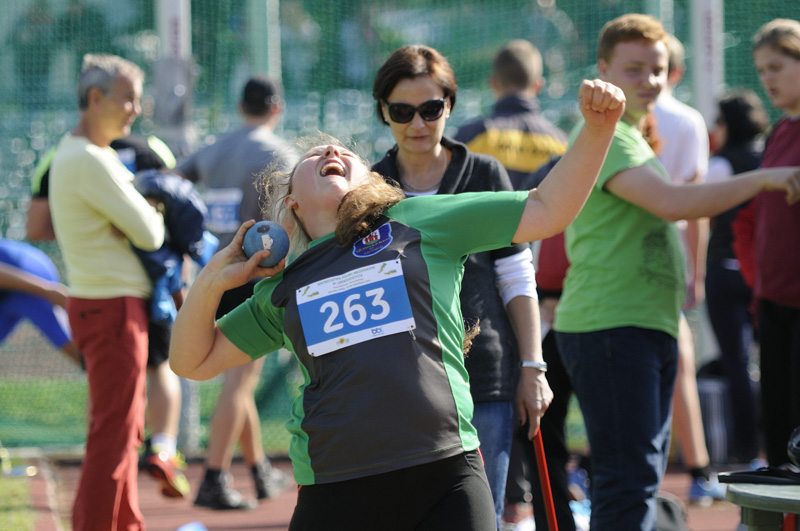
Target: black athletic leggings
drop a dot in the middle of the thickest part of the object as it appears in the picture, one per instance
(450, 494)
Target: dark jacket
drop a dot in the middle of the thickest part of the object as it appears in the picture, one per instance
(742, 158)
(184, 221)
(517, 135)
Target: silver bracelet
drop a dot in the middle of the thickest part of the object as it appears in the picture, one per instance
(539, 365)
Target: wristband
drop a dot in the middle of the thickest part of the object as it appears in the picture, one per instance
(538, 365)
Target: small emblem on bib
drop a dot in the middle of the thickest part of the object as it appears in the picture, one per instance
(374, 242)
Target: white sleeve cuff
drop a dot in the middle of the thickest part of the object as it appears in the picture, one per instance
(515, 276)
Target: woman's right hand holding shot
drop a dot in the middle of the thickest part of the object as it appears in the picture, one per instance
(230, 268)
(198, 350)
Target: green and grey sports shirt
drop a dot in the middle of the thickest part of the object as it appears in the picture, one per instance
(377, 329)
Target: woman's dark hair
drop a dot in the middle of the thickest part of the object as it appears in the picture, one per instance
(743, 115)
(410, 62)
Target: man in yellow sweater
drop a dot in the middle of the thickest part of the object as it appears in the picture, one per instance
(97, 215)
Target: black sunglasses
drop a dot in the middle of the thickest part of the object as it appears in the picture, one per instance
(402, 113)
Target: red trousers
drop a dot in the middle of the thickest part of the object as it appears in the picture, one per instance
(112, 336)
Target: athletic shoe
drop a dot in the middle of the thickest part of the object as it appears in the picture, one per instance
(526, 524)
(705, 492)
(514, 513)
(167, 470)
(517, 517)
(581, 513)
(219, 495)
(268, 480)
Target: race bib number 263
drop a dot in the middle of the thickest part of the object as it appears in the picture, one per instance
(363, 304)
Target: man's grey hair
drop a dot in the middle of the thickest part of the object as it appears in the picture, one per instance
(102, 71)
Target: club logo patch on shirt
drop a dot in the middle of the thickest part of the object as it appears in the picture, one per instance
(374, 242)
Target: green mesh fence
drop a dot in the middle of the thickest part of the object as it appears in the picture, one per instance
(742, 20)
(329, 51)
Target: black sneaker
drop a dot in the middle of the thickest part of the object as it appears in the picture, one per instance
(219, 495)
(268, 480)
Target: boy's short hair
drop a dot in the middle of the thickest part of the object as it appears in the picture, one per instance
(780, 34)
(631, 27)
(518, 65)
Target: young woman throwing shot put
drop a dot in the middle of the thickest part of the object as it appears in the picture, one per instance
(371, 310)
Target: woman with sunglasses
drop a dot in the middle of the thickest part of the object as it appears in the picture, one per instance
(381, 431)
(415, 92)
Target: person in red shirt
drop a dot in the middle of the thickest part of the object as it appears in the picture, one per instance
(776, 241)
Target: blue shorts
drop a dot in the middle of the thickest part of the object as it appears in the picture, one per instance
(14, 307)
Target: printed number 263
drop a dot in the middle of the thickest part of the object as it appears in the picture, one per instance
(354, 312)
